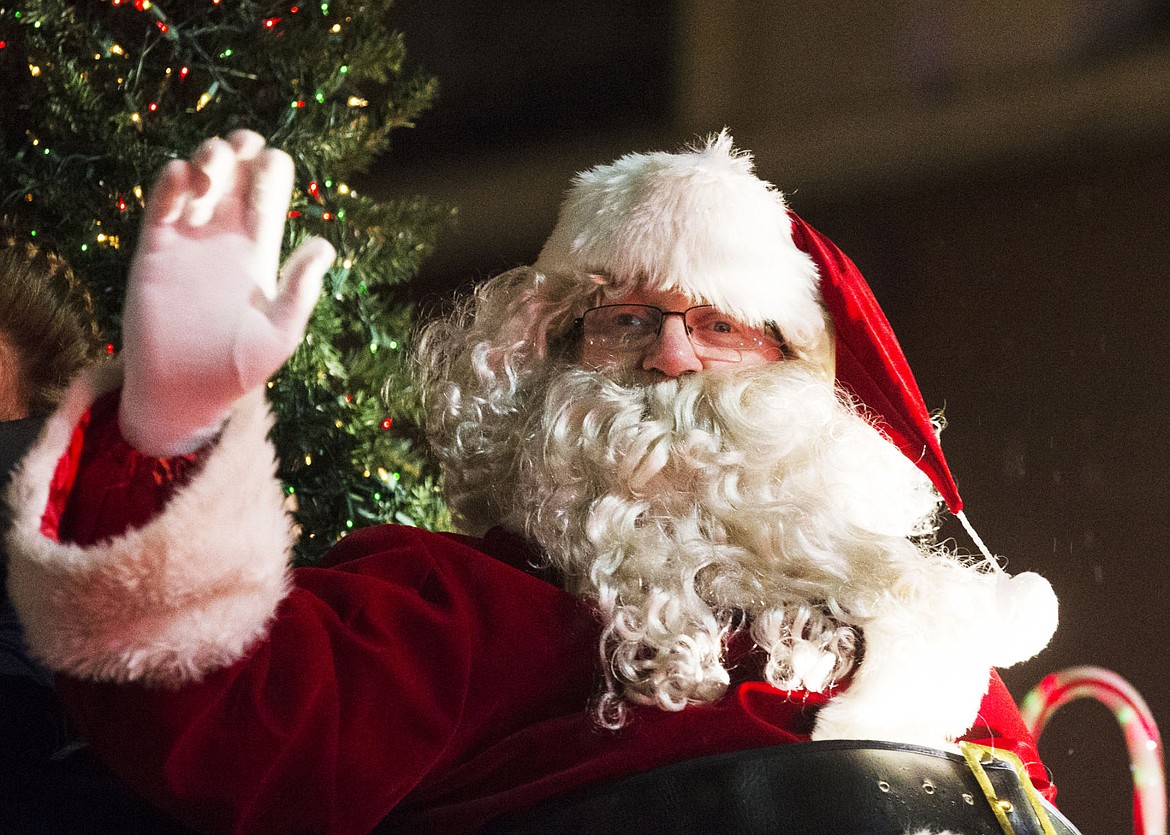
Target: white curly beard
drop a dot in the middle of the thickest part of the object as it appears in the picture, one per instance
(688, 506)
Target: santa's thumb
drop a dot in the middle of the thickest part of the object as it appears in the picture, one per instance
(300, 285)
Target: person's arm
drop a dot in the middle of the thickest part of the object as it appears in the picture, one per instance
(233, 698)
(125, 567)
(206, 323)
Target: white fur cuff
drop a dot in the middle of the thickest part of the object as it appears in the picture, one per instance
(187, 593)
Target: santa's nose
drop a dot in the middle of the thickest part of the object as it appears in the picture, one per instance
(672, 353)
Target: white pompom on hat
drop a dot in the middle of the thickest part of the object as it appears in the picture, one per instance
(702, 223)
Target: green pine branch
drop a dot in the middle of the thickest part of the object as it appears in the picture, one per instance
(102, 93)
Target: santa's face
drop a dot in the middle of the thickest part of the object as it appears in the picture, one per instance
(649, 335)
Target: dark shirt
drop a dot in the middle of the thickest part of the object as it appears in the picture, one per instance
(32, 724)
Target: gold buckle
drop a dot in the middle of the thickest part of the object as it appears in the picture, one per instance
(976, 756)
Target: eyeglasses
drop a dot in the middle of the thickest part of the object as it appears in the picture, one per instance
(628, 328)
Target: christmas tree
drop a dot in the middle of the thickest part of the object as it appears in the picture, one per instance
(102, 93)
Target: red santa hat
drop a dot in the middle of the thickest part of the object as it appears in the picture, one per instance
(702, 223)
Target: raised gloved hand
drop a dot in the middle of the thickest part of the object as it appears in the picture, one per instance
(206, 319)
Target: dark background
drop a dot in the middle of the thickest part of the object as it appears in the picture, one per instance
(999, 171)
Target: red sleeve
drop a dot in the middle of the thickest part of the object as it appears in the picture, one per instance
(999, 725)
(324, 727)
(350, 701)
(102, 486)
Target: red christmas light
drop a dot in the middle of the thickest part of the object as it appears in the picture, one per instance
(300, 103)
(294, 10)
(121, 203)
(162, 27)
(152, 107)
(387, 423)
(271, 22)
(140, 5)
(110, 345)
(326, 215)
(3, 44)
(183, 73)
(294, 213)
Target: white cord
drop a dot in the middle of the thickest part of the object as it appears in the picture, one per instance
(962, 517)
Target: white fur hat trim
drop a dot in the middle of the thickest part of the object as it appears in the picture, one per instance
(700, 222)
(187, 593)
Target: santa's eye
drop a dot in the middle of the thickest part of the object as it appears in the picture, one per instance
(711, 321)
(627, 321)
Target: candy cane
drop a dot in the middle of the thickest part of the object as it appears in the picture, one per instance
(1137, 723)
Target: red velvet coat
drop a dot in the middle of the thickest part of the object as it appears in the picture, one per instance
(432, 675)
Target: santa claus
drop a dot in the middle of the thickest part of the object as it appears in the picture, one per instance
(698, 487)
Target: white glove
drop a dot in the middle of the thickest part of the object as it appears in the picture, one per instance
(205, 319)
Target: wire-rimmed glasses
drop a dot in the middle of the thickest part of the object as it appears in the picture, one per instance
(629, 328)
